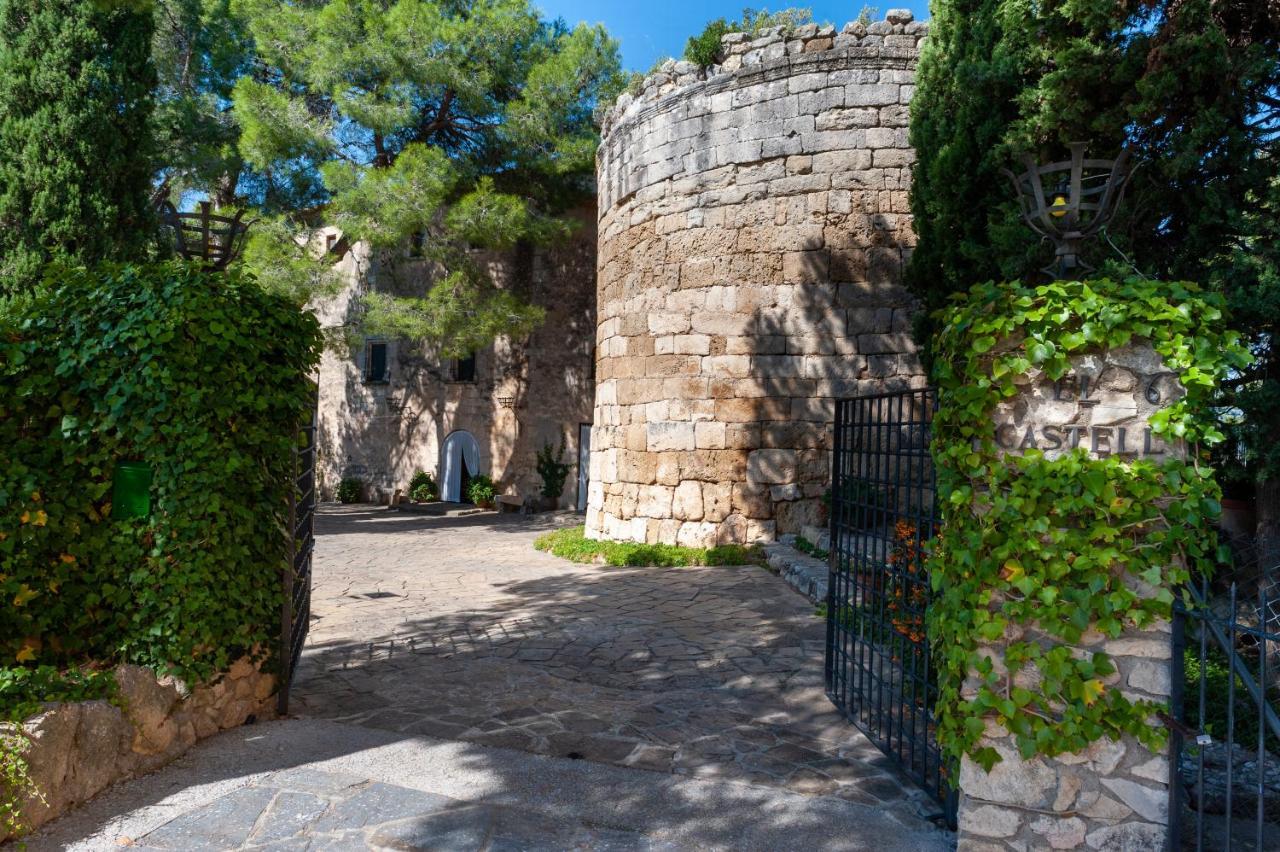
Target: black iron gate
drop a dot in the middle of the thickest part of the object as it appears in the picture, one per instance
(878, 666)
(295, 614)
(1225, 697)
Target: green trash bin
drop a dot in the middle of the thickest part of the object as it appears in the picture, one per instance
(131, 490)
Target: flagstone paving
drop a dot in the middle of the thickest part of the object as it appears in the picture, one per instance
(455, 627)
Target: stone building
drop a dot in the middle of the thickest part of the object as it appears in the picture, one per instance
(753, 226)
(391, 407)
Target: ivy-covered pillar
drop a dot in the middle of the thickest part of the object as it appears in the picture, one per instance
(1068, 444)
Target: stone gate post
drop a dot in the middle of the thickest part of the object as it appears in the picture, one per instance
(1114, 795)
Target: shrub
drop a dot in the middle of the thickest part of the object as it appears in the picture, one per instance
(202, 377)
(349, 489)
(553, 470)
(423, 493)
(419, 479)
(704, 48)
(481, 491)
(862, 493)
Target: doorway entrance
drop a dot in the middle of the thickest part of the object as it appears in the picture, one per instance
(459, 463)
(584, 463)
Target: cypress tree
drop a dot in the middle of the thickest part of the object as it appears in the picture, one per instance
(76, 83)
(1191, 87)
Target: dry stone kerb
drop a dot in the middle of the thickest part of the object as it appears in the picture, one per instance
(753, 227)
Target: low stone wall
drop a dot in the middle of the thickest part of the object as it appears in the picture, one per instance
(76, 750)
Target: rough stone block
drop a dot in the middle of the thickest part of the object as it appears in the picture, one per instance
(669, 436)
(771, 466)
(687, 501)
(709, 435)
(879, 94)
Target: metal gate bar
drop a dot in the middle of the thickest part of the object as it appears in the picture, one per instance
(295, 615)
(1225, 791)
(878, 667)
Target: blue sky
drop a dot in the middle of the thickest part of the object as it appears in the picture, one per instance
(649, 29)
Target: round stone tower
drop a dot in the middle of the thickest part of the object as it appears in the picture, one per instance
(753, 225)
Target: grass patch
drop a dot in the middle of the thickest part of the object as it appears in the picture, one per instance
(805, 546)
(572, 544)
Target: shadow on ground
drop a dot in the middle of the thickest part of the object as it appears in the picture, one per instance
(464, 691)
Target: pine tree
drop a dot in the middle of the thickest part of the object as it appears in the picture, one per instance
(457, 123)
(1191, 87)
(75, 103)
(201, 48)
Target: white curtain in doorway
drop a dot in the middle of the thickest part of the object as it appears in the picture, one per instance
(459, 448)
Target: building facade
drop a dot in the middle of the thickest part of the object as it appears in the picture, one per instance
(391, 407)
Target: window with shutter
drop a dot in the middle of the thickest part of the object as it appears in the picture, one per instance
(464, 369)
(376, 368)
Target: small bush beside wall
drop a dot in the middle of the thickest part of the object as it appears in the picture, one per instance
(349, 490)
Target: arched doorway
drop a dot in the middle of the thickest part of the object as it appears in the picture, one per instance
(460, 462)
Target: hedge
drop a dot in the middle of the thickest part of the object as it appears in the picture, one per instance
(201, 376)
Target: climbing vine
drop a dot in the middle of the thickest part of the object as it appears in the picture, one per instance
(1040, 559)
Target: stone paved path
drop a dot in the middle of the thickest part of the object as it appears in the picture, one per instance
(304, 784)
(463, 691)
(455, 627)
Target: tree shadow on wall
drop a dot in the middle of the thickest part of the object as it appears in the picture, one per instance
(843, 331)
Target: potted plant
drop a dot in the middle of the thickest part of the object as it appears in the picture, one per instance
(554, 471)
(422, 488)
(481, 491)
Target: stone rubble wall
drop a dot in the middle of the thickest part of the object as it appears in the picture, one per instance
(78, 749)
(1112, 796)
(754, 224)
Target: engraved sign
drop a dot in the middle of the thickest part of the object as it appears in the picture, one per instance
(1103, 405)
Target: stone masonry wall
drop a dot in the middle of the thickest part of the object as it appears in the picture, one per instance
(1114, 795)
(525, 392)
(753, 228)
(75, 750)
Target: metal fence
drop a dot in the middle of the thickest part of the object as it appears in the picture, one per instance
(295, 613)
(879, 671)
(1225, 695)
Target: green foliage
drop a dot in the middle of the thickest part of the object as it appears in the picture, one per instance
(480, 490)
(1030, 541)
(571, 543)
(24, 688)
(704, 48)
(421, 478)
(422, 487)
(15, 781)
(467, 122)
(200, 376)
(349, 489)
(1190, 87)
(75, 168)
(553, 470)
(200, 49)
(859, 492)
(1216, 674)
(805, 546)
